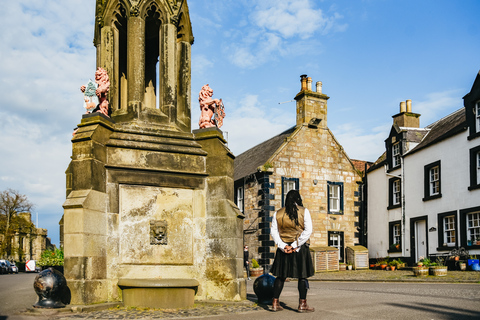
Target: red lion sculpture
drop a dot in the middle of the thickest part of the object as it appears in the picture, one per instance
(210, 108)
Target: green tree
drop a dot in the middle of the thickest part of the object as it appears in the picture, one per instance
(12, 203)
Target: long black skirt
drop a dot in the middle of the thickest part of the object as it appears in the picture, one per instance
(293, 265)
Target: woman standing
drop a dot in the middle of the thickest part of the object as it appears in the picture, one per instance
(291, 230)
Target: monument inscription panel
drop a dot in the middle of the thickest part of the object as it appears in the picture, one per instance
(156, 225)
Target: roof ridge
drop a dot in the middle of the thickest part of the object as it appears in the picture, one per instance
(449, 115)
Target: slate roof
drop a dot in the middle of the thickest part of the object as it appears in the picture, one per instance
(248, 162)
(442, 129)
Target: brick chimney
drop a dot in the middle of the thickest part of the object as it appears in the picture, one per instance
(311, 105)
(406, 118)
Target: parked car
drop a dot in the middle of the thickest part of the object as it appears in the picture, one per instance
(8, 265)
(14, 267)
(3, 268)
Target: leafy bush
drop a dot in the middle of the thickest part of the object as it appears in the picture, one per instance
(51, 258)
(255, 264)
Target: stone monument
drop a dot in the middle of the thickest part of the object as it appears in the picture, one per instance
(149, 208)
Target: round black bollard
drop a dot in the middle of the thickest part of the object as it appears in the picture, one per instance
(263, 288)
(51, 287)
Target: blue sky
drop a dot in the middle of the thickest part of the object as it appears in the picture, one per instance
(369, 54)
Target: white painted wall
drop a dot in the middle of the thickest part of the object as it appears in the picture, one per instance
(455, 180)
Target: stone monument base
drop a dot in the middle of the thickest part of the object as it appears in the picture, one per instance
(158, 293)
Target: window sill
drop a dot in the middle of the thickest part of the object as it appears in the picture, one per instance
(393, 169)
(427, 198)
(394, 206)
(474, 187)
(443, 248)
(473, 136)
(395, 251)
(336, 213)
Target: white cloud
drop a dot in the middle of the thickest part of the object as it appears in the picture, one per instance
(293, 18)
(46, 55)
(252, 114)
(279, 29)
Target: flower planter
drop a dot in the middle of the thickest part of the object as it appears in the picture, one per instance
(256, 272)
(462, 266)
(420, 271)
(342, 267)
(438, 271)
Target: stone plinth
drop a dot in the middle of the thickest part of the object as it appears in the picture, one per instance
(158, 293)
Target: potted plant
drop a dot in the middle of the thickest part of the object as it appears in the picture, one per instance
(462, 265)
(438, 268)
(383, 263)
(400, 264)
(349, 266)
(421, 269)
(342, 266)
(255, 270)
(393, 264)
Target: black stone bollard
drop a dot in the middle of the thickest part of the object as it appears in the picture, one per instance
(263, 288)
(51, 287)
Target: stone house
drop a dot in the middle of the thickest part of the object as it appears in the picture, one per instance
(423, 191)
(306, 157)
(27, 242)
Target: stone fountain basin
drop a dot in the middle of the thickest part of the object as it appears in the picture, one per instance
(158, 293)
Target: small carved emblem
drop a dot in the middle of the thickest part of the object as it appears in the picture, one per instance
(158, 232)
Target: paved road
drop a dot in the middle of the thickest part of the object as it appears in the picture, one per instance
(332, 300)
(16, 292)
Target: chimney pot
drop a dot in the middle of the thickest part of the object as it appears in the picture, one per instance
(309, 83)
(319, 86)
(409, 105)
(402, 107)
(303, 80)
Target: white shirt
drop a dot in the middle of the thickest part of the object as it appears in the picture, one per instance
(304, 236)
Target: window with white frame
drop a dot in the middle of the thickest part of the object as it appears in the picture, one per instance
(474, 168)
(396, 234)
(335, 197)
(449, 231)
(396, 154)
(240, 203)
(478, 167)
(473, 228)
(477, 116)
(396, 192)
(432, 180)
(435, 181)
(288, 184)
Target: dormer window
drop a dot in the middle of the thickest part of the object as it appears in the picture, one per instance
(396, 154)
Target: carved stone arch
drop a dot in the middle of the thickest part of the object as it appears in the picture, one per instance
(184, 28)
(114, 9)
(153, 6)
(113, 50)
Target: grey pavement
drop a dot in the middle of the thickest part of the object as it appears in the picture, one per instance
(335, 295)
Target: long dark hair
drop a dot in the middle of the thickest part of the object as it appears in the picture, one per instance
(291, 201)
